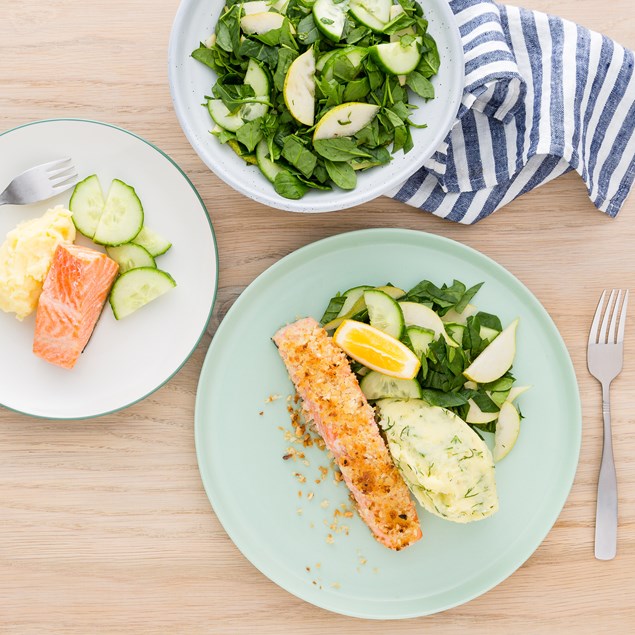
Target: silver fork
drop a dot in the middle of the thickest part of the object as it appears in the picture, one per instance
(40, 183)
(605, 355)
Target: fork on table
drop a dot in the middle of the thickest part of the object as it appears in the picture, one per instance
(39, 183)
(605, 354)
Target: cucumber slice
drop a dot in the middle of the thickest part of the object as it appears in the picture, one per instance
(384, 313)
(395, 58)
(131, 256)
(352, 296)
(455, 331)
(488, 334)
(354, 54)
(136, 288)
(266, 165)
(420, 339)
(257, 78)
(416, 314)
(375, 14)
(87, 204)
(122, 218)
(321, 63)
(395, 11)
(375, 385)
(330, 17)
(152, 242)
(222, 117)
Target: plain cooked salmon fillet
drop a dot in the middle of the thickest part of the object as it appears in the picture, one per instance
(72, 299)
(334, 401)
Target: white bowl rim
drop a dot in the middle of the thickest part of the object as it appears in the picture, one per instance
(312, 202)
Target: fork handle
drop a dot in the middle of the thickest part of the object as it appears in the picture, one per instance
(606, 510)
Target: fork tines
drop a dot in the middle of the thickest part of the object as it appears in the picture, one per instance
(610, 318)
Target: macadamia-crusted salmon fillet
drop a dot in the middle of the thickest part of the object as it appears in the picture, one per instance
(334, 401)
(72, 299)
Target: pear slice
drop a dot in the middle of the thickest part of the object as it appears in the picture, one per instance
(261, 23)
(345, 120)
(496, 359)
(416, 314)
(256, 6)
(516, 391)
(299, 88)
(507, 430)
(460, 318)
(476, 415)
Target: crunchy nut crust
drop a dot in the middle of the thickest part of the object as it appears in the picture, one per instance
(334, 401)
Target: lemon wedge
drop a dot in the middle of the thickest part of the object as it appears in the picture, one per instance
(376, 350)
(496, 359)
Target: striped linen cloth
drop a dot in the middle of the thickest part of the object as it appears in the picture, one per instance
(543, 96)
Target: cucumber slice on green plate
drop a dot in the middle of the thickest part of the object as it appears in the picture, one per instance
(131, 256)
(87, 204)
(384, 313)
(330, 17)
(395, 58)
(152, 242)
(136, 288)
(376, 385)
(122, 218)
(420, 339)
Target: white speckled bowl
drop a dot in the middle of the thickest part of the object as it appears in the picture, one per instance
(191, 80)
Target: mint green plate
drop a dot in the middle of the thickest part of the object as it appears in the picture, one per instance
(254, 491)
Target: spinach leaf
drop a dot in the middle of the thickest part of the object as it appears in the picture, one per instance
(233, 95)
(296, 154)
(332, 90)
(250, 134)
(285, 59)
(357, 34)
(333, 309)
(338, 149)
(210, 57)
(490, 321)
(420, 85)
(357, 89)
(307, 32)
(484, 402)
(228, 30)
(342, 174)
(289, 185)
(402, 21)
(430, 60)
(443, 399)
(259, 51)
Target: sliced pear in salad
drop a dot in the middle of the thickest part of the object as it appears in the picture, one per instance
(261, 23)
(299, 88)
(416, 314)
(507, 431)
(345, 120)
(496, 359)
(517, 391)
(257, 6)
(330, 17)
(476, 415)
(460, 318)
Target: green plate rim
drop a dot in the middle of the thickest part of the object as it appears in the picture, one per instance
(249, 551)
(214, 295)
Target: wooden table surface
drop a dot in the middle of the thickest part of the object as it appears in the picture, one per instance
(104, 524)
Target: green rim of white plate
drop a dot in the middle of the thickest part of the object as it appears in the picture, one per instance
(307, 592)
(211, 227)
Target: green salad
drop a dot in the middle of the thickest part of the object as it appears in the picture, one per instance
(465, 354)
(312, 91)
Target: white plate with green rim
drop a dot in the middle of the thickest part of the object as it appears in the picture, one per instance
(124, 360)
(254, 491)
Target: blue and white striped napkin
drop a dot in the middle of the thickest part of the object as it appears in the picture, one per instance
(543, 96)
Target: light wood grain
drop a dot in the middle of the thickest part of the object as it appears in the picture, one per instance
(104, 524)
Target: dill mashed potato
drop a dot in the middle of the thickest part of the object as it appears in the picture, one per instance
(446, 465)
(25, 258)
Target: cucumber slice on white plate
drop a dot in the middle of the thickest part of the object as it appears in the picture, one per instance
(321, 63)
(345, 120)
(130, 256)
(376, 385)
(375, 14)
(122, 218)
(222, 117)
(395, 11)
(152, 242)
(299, 88)
(384, 313)
(257, 78)
(266, 165)
(330, 17)
(136, 288)
(87, 204)
(396, 58)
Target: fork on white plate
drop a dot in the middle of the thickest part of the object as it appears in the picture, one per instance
(39, 183)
